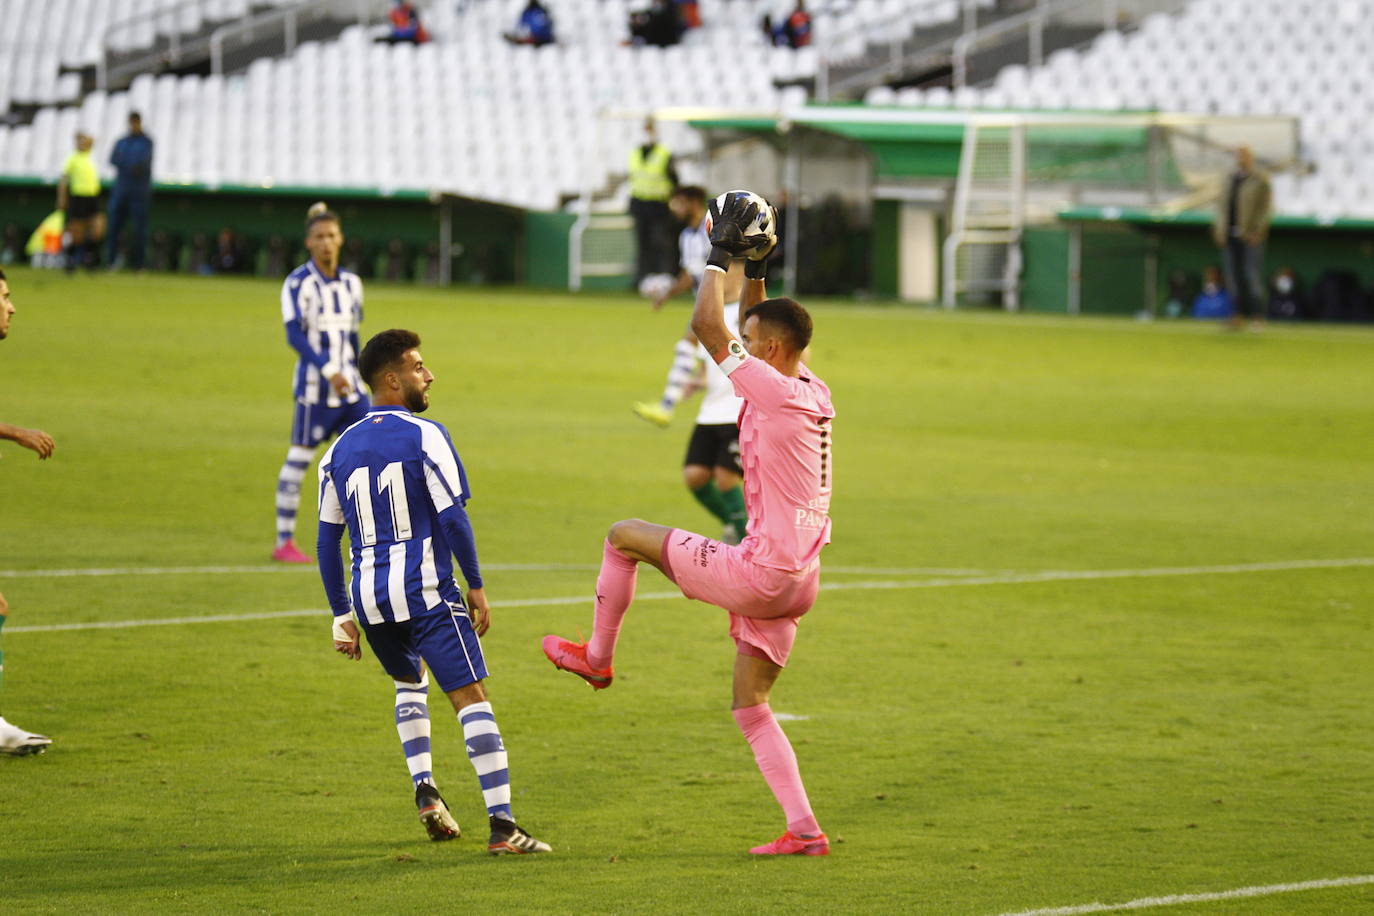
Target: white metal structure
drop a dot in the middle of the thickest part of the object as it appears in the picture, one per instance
(982, 253)
(1305, 58)
(1020, 169)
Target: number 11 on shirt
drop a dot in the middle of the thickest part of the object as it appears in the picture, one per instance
(391, 482)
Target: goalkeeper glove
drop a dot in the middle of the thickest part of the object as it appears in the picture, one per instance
(727, 231)
(756, 265)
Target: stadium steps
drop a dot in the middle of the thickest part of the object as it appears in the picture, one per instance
(194, 56)
(925, 56)
(983, 66)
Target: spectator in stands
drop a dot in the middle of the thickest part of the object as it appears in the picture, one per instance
(1286, 299)
(1179, 293)
(1240, 228)
(195, 258)
(660, 25)
(689, 13)
(395, 267)
(652, 179)
(405, 25)
(535, 26)
(11, 245)
(796, 28)
(132, 158)
(1212, 300)
(228, 257)
(166, 250)
(78, 193)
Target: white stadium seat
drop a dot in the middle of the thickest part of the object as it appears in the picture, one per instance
(517, 124)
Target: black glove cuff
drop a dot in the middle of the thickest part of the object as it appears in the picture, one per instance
(719, 257)
(756, 270)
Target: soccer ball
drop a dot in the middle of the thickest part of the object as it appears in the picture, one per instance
(655, 286)
(763, 223)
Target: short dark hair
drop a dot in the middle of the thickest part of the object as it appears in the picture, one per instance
(691, 192)
(384, 351)
(2, 274)
(135, 116)
(786, 317)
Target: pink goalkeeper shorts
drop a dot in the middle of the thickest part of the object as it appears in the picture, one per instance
(764, 603)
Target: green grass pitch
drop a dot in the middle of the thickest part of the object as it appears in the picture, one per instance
(976, 741)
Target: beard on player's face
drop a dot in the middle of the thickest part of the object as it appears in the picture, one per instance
(417, 399)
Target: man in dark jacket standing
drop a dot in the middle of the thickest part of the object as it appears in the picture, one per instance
(132, 158)
(1240, 228)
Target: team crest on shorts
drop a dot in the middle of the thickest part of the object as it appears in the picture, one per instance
(317, 432)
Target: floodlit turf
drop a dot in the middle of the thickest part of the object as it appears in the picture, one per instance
(971, 748)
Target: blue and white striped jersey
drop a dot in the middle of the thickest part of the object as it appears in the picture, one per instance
(322, 316)
(395, 480)
(694, 247)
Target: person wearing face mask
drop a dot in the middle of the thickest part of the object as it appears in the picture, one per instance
(1286, 299)
(652, 179)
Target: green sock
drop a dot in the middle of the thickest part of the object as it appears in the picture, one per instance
(713, 500)
(734, 503)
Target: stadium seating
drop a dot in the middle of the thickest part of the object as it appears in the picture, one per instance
(467, 113)
(1239, 57)
(41, 38)
(473, 115)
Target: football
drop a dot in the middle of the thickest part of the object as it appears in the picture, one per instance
(763, 223)
(655, 286)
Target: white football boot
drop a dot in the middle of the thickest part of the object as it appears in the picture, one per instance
(19, 743)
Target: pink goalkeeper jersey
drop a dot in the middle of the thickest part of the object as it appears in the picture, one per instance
(784, 443)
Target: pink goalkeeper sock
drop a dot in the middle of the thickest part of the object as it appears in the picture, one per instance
(615, 589)
(778, 764)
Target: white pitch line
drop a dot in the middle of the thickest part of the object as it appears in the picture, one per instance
(914, 571)
(495, 567)
(1053, 575)
(1146, 903)
(241, 570)
(1080, 575)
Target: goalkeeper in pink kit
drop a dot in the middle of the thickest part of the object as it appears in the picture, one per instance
(769, 580)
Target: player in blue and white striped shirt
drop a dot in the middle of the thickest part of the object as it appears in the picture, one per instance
(322, 307)
(396, 482)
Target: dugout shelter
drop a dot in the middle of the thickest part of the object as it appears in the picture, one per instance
(1056, 211)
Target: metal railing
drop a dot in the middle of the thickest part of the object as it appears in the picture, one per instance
(1032, 23)
(174, 46)
(896, 51)
(286, 23)
(165, 22)
(904, 54)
